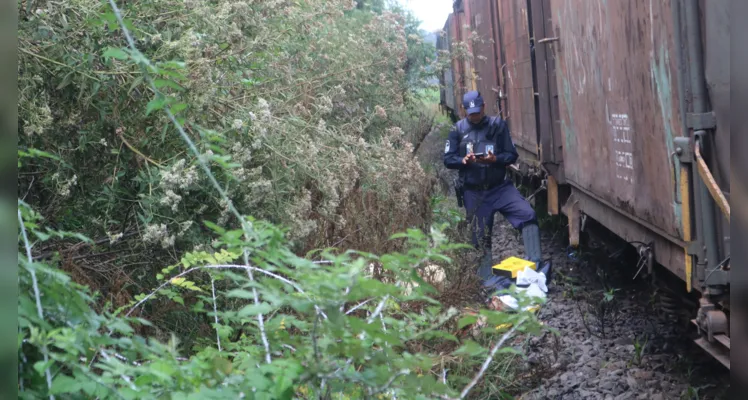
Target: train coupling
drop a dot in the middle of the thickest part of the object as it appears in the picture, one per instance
(713, 327)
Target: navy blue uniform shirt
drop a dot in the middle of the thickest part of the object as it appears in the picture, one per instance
(492, 133)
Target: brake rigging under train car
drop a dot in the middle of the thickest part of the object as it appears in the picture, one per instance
(623, 107)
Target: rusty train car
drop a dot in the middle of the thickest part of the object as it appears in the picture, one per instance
(622, 107)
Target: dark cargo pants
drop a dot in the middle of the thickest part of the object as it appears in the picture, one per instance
(481, 205)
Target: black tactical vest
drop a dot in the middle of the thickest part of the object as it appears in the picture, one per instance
(482, 138)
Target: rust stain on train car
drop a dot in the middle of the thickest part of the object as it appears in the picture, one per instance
(464, 66)
(517, 66)
(449, 73)
(484, 51)
(619, 109)
(458, 63)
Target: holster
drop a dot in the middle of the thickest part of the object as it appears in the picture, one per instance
(460, 191)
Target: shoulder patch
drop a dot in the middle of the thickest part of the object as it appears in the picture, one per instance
(446, 147)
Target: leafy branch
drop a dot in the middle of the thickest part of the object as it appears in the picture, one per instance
(159, 103)
(37, 297)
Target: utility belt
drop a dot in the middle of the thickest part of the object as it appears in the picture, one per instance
(478, 188)
(461, 186)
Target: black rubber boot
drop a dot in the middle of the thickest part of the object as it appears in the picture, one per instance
(485, 265)
(531, 238)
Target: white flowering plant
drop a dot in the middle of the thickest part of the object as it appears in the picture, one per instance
(295, 105)
(164, 125)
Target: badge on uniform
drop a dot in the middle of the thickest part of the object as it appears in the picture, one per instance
(446, 147)
(489, 149)
(470, 147)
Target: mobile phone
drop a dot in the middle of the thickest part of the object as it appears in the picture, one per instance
(479, 155)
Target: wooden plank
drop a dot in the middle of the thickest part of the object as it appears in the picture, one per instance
(552, 195)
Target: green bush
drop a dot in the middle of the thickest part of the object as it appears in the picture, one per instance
(284, 326)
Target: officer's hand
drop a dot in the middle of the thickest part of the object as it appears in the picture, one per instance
(489, 159)
(469, 159)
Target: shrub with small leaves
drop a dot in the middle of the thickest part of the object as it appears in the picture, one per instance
(283, 326)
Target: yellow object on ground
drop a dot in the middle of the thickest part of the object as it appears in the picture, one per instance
(532, 309)
(511, 266)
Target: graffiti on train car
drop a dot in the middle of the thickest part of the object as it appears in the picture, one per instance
(664, 86)
(614, 61)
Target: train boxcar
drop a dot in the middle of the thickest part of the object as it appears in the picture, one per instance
(624, 107)
(447, 92)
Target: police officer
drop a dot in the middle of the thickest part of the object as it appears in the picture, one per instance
(480, 148)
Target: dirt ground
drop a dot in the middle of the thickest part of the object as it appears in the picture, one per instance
(624, 346)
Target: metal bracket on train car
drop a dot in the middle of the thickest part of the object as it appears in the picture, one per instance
(717, 277)
(683, 149)
(701, 121)
(548, 40)
(696, 248)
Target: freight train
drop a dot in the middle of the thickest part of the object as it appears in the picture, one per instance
(622, 107)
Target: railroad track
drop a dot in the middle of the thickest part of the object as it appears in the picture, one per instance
(710, 318)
